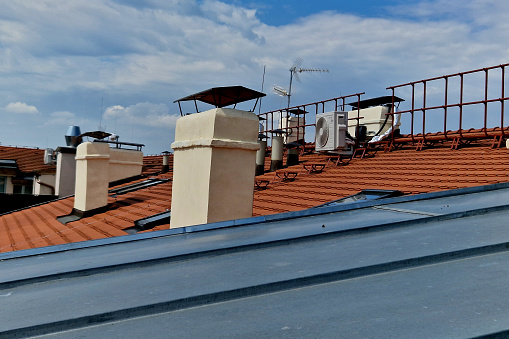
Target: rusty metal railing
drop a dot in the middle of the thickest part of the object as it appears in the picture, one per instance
(274, 117)
(460, 103)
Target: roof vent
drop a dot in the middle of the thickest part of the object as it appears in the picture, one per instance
(72, 137)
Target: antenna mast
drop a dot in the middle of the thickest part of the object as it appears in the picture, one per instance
(101, 116)
(294, 70)
(263, 83)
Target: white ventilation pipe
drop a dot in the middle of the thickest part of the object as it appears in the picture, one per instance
(166, 162)
(260, 157)
(276, 152)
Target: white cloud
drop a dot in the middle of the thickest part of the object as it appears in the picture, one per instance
(141, 114)
(21, 108)
(61, 118)
(146, 123)
(67, 55)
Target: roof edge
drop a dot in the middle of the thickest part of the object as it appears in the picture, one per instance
(247, 221)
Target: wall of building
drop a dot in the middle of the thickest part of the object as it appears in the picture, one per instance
(41, 184)
(124, 164)
(96, 166)
(66, 171)
(9, 187)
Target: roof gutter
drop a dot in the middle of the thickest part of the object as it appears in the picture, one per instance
(52, 188)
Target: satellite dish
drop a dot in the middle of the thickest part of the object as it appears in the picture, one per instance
(322, 132)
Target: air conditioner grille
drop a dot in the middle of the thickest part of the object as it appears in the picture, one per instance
(322, 132)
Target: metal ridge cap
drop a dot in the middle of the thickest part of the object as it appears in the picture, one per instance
(252, 221)
(89, 244)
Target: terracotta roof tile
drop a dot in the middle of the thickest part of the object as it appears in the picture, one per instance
(28, 159)
(432, 169)
(153, 164)
(405, 169)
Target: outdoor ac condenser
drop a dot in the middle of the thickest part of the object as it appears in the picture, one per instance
(331, 128)
(49, 156)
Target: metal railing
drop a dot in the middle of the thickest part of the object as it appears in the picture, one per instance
(271, 120)
(459, 104)
(123, 145)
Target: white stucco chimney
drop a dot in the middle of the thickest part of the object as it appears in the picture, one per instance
(92, 176)
(214, 167)
(66, 171)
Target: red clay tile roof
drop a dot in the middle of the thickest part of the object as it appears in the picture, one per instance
(28, 159)
(38, 227)
(432, 169)
(153, 164)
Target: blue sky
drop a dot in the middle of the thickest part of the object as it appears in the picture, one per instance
(122, 63)
(280, 12)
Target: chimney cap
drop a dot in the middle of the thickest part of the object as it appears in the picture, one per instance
(278, 132)
(223, 96)
(96, 134)
(293, 145)
(297, 111)
(378, 101)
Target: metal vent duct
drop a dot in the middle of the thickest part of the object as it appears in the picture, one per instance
(72, 137)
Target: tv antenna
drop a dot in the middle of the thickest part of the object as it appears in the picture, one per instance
(294, 73)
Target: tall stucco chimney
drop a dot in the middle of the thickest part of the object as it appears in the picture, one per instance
(92, 177)
(66, 171)
(214, 167)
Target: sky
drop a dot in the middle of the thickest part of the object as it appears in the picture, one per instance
(119, 65)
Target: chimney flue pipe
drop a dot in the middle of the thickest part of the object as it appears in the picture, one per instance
(276, 150)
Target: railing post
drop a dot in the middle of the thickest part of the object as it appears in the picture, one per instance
(424, 111)
(413, 112)
(445, 106)
(502, 103)
(393, 116)
(486, 102)
(460, 127)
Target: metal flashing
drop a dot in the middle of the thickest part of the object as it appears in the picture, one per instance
(89, 244)
(150, 222)
(137, 186)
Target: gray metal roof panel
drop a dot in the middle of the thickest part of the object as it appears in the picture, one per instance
(368, 271)
(404, 304)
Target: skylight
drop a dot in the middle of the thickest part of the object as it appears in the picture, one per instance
(368, 194)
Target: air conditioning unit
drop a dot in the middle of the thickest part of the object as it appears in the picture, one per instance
(331, 129)
(291, 133)
(50, 157)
